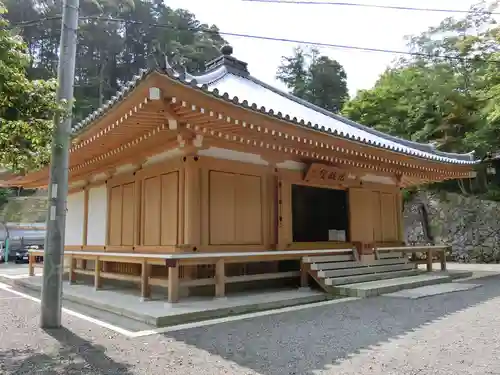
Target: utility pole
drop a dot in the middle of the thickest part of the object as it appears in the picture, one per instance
(53, 264)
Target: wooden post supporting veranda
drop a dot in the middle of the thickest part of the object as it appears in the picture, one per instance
(72, 274)
(304, 274)
(443, 259)
(31, 265)
(220, 278)
(429, 260)
(145, 271)
(97, 274)
(173, 281)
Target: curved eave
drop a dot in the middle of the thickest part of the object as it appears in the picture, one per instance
(435, 156)
(204, 81)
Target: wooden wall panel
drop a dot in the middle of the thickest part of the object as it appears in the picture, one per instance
(235, 209)
(377, 217)
(128, 202)
(222, 213)
(169, 208)
(390, 225)
(115, 216)
(248, 209)
(160, 210)
(152, 210)
(361, 215)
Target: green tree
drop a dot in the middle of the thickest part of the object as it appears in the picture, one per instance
(293, 72)
(448, 101)
(420, 103)
(26, 106)
(317, 79)
(115, 40)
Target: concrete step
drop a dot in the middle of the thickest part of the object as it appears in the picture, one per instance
(336, 281)
(329, 258)
(378, 287)
(375, 269)
(341, 265)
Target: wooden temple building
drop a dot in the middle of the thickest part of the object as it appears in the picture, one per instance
(190, 182)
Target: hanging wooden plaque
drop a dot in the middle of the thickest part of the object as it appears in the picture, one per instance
(325, 174)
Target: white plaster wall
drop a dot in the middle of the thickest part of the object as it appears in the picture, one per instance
(98, 214)
(222, 153)
(378, 179)
(74, 219)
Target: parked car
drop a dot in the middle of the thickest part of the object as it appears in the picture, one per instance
(22, 255)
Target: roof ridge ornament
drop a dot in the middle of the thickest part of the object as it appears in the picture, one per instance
(169, 67)
(232, 64)
(226, 50)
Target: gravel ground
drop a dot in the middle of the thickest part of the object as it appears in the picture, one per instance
(457, 333)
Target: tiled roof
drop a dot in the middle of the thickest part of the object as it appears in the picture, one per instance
(228, 78)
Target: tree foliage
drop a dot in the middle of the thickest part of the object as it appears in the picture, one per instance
(453, 102)
(26, 106)
(116, 39)
(315, 78)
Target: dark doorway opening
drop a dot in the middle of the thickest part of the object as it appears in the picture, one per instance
(319, 214)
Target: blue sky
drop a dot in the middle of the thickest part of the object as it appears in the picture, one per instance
(366, 27)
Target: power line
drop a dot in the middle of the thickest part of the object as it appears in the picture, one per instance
(263, 37)
(36, 22)
(378, 6)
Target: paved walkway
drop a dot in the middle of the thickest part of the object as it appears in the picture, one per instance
(456, 333)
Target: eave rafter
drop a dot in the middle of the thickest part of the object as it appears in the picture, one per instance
(309, 146)
(303, 155)
(141, 114)
(148, 122)
(226, 108)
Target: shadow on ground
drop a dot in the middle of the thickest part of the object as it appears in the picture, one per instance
(305, 341)
(75, 356)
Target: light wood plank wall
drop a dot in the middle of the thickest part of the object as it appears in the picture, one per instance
(238, 207)
(375, 215)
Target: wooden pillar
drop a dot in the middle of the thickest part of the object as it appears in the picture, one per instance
(285, 235)
(429, 260)
(271, 228)
(31, 265)
(180, 218)
(192, 203)
(85, 222)
(72, 266)
(145, 288)
(97, 273)
(137, 210)
(220, 278)
(443, 259)
(304, 275)
(173, 284)
(400, 216)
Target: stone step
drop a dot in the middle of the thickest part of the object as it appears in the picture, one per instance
(336, 281)
(375, 269)
(341, 265)
(378, 287)
(329, 258)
